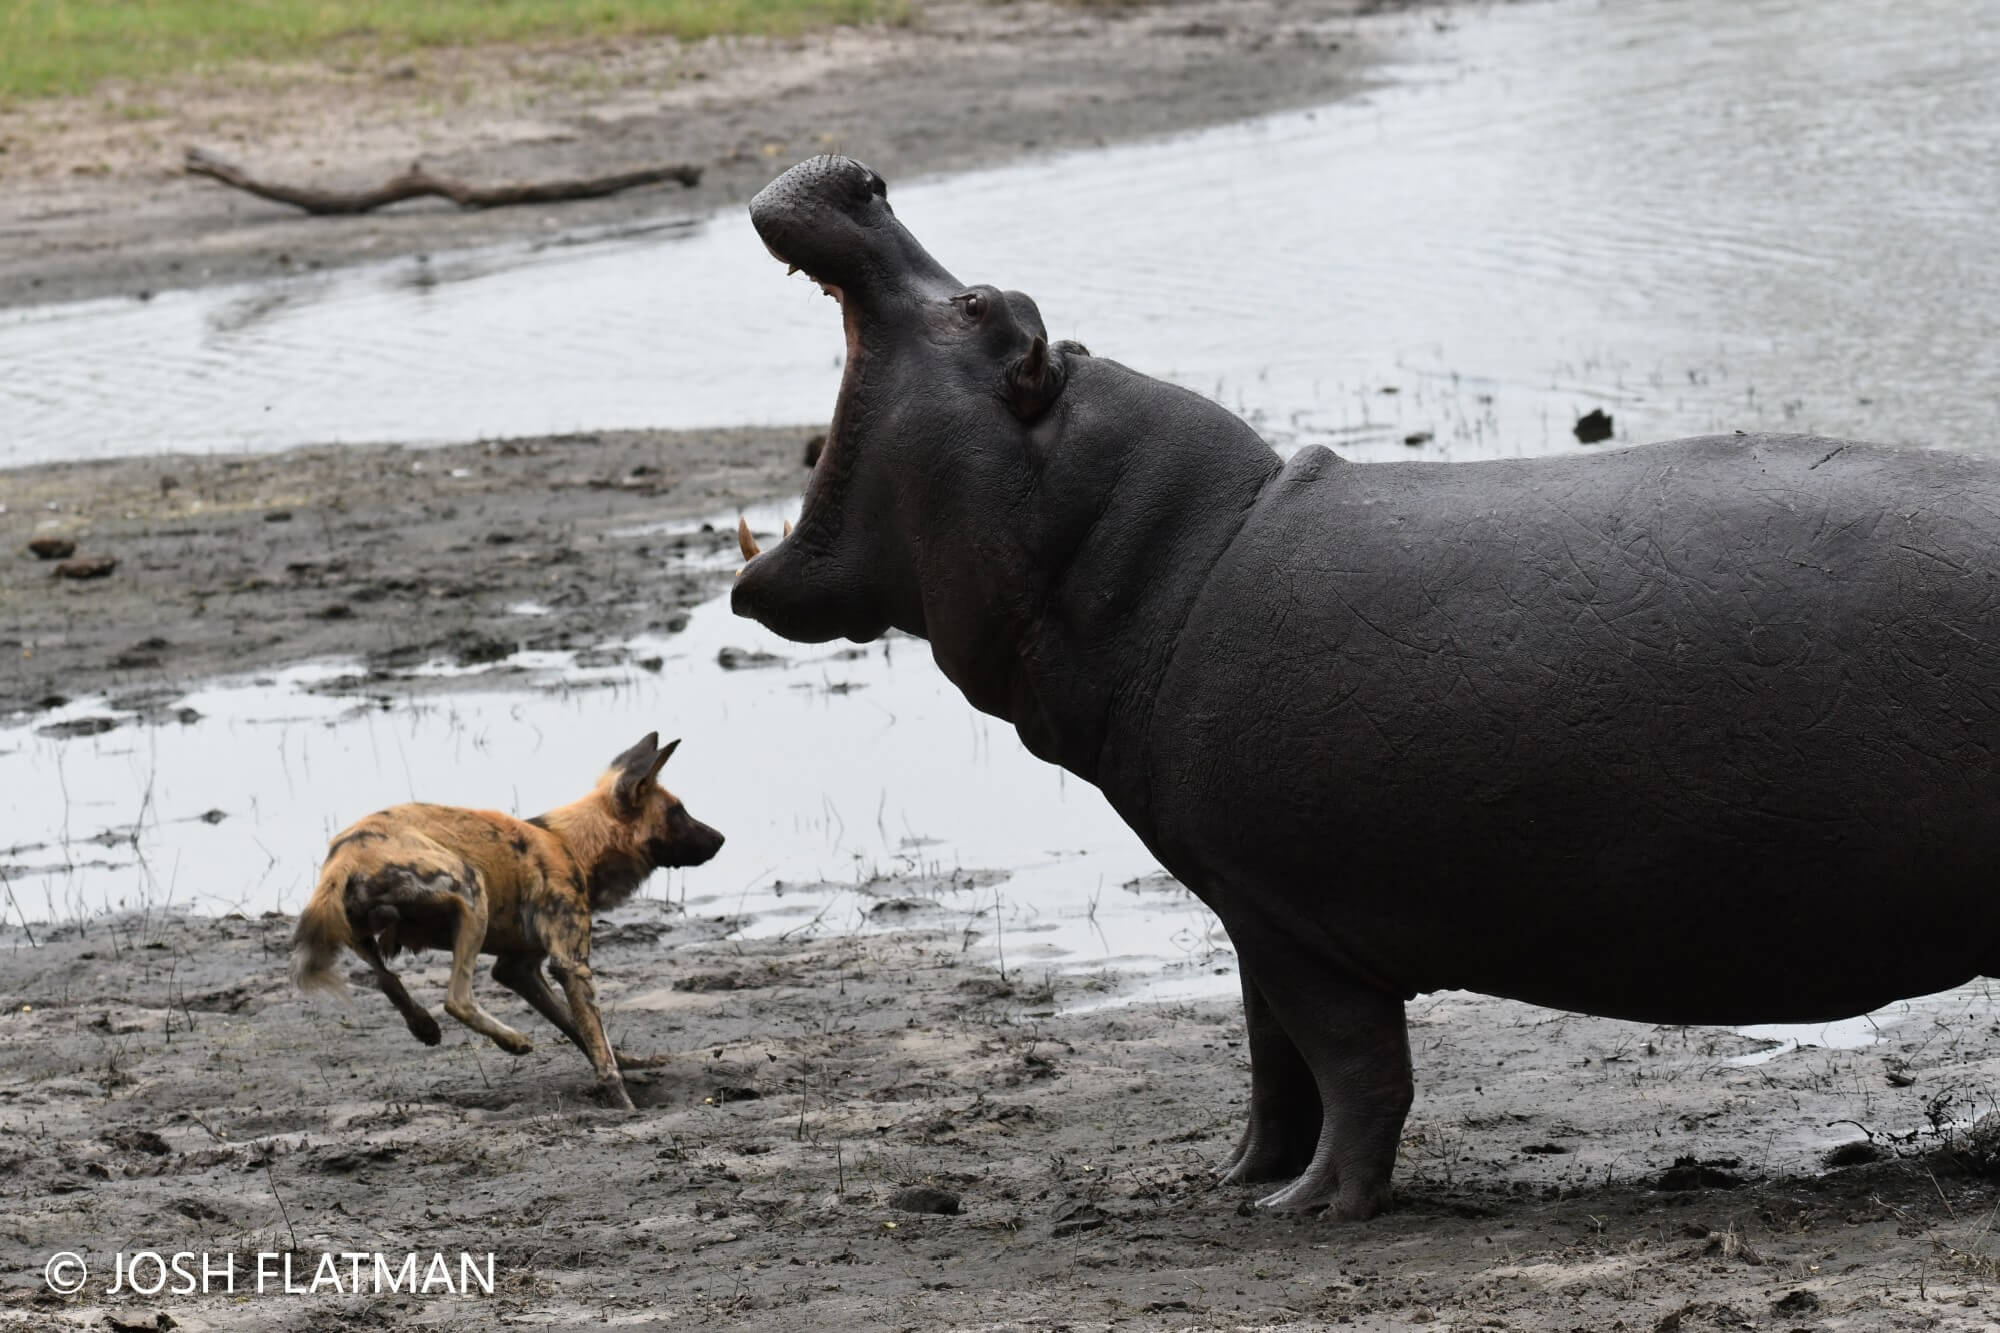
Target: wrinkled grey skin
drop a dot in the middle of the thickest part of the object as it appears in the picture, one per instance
(1699, 732)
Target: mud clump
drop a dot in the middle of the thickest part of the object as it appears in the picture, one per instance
(1688, 1173)
(52, 548)
(926, 1199)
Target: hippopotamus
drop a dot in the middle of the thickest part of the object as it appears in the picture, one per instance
(1699, 732)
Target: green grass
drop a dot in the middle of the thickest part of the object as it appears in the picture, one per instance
(52, 47)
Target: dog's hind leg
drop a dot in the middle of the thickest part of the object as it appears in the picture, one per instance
(522, 974)
(465, 946)
(422, 1026)
(572, 968)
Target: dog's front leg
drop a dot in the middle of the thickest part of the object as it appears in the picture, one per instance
(574, 974)
(522, 974)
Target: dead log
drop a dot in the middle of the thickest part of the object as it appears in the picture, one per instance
(416, 183)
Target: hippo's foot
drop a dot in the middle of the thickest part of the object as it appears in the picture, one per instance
(1272, 1148)
(1321, 1187)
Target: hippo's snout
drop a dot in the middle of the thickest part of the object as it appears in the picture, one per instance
(819, 182)
(819, 213)
(830, 216)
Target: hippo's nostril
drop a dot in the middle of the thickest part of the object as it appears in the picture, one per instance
(877, 186)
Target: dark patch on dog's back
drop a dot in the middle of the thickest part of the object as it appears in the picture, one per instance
(357, 836)
(539, 821)
(519, 844)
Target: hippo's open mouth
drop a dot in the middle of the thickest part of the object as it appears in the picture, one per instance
(829, 218)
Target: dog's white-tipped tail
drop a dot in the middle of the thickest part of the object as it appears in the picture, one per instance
(322, 933)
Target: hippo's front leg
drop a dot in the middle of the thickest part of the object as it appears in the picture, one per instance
(1285, 1116)
(1354, 1040)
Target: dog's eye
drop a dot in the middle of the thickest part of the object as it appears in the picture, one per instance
(973, 304)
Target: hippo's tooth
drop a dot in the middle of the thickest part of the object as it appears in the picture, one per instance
(788, 527)
(791, 269)
(744, 541)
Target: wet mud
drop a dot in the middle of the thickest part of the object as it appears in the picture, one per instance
(887, 1132)
(392, 556)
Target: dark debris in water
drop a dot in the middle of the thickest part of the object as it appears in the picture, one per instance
(746, 659)
(78, 726)
(1594, 426)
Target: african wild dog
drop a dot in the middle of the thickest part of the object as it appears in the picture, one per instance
(476, 881)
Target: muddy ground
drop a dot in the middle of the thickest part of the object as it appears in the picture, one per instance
(229, 563)
(93, 201)
(162, 1088)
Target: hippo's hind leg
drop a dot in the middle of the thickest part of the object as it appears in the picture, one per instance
(1285, 1116)
(1354, 1040)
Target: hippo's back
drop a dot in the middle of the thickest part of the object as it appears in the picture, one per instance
(1700, 731)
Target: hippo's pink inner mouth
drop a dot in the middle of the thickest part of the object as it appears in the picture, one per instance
(850, 378)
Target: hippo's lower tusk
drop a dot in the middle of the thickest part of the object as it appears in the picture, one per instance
(788, 527)
(744, 541)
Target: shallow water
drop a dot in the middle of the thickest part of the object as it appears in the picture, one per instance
(842, 777)
(1766, 214)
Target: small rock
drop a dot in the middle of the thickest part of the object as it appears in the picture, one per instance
(87, 567)
(1417, 437)
(925, 1199)
(52, 548)
(278, 516)
(1593, 426)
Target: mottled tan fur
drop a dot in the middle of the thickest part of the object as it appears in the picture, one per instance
(477, 881)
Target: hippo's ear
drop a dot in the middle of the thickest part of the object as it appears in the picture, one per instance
(1035, 380)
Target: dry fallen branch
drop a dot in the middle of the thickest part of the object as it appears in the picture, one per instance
(416, 182)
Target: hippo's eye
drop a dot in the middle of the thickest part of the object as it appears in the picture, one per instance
(877, 186)
(973, 304)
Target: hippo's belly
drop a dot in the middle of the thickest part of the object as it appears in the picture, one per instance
(1697, 732)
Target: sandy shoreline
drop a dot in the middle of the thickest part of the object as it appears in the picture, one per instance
(93, 201)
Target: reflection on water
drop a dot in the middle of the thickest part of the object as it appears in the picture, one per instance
(1766, 214)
